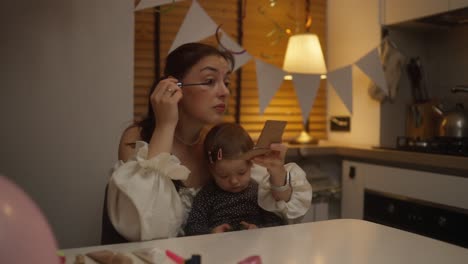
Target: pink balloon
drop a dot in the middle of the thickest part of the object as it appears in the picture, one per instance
(25, 235)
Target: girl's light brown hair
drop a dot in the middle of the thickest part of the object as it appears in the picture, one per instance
(226, 141)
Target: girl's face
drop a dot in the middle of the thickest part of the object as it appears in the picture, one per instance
(207, 103)
(231, 175)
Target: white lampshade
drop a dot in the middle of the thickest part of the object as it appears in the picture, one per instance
(304, 55)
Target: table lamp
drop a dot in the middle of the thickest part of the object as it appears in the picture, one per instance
(304, 55)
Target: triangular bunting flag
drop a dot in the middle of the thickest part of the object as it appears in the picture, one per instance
(196, 26)
(341, 80)
(231, 45)
(269, 80)
(153, 3)
(371, 65)
(306, 86)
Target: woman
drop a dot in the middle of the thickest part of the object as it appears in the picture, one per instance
(161, 158)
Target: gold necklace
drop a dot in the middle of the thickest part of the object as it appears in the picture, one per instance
(190, 144)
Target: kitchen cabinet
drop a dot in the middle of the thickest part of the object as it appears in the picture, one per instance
(352, 190)
(442, 189)
(395, 11)
(456, 4)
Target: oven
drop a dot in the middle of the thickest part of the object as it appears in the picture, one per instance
(442, 222)
(426, 203)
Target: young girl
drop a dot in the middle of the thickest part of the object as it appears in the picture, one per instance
(230, 201)
(161, 159)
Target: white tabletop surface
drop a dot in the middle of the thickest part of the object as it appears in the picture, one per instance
(326, 242)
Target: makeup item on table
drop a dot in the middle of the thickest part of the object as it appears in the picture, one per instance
(109, 257)
(61, 257)
(176, 258)
(180, 84)
(194, 259)
(79, 259)
(251, 260)
(151, 255)
(101, 256)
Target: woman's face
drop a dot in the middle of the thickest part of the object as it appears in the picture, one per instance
(207, 103)
(231, 175)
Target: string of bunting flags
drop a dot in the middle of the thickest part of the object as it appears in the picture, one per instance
(198, 25)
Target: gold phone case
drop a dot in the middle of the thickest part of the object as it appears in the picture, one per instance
(272, 132)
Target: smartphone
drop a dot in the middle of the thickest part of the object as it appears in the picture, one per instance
(272, 132)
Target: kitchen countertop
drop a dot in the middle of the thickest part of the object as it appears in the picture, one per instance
(333, 241)
(449, 164)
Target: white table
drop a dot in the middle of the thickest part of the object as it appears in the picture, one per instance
(326, 242)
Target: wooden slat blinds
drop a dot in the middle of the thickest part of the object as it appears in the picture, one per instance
(144, 68)
(263, 37)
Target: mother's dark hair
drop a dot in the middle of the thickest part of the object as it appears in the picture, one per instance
(178, 64)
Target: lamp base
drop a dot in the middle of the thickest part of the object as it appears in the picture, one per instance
(304, 138)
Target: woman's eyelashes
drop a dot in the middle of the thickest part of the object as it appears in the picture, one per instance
(209, 82)
(213, 82)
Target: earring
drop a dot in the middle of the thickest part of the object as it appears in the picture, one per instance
(220, 154)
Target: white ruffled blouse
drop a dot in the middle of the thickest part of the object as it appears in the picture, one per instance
(143, 203)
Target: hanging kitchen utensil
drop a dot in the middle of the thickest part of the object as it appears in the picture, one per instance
(422, 82)
(392, 61)
(418, 86)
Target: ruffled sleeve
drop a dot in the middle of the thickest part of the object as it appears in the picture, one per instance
(143, 203)
(301, 196)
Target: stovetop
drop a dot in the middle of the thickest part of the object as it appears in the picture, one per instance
(436, 145)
